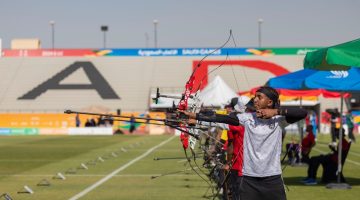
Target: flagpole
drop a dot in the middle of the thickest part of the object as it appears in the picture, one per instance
(301, 133)
(301, 125)
(340, 137)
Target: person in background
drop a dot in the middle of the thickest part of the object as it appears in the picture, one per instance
(108, 121)
(77, 120)
(334, 113)
(101, 121)
(307, 118)
(93, 123)
(235, 146)
(111, 120)
(292, 150)
(313, 122)
(88, 123)
(132, 124)
(350, 125)
(325, 160)
(307, 143)
(147, 125)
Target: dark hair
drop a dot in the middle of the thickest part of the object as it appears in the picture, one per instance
(229, 106)
(250, 105)
(272, 94)
(309, 128)
(233, 102)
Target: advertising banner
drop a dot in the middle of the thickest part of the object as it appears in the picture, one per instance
(19, 131)
(64, 124)
(53, 131)
(161, 52)
(50, 53)
(37, 120)
(91, 131)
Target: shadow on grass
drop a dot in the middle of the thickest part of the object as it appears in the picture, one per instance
(291, 181)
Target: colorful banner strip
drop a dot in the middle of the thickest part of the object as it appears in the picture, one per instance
(156, 52)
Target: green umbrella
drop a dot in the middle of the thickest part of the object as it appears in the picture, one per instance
(338, 57)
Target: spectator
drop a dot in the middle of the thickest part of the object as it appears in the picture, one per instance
(111, 120)
(77, 120)
(307, 143)
(108, 120)
(147, 125)
(325, 160)
(235, 146)
(132, 124)
(313, 122)
(292, 150)
(88, 123)
(334, 113)
(101, 121)
(350, 125)
(93, 123)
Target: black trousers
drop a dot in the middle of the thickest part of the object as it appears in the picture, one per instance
(234, 181)
(262, 188)
(333, 137)
(351, 134)
(315, 162)
(305, 158)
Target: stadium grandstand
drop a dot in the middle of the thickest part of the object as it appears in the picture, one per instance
(35, 80)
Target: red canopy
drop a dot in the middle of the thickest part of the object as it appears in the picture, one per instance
(303, 93)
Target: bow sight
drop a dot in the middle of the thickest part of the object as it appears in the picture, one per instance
(158, 95)
(172, 113)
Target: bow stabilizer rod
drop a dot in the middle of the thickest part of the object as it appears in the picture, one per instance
(158, 95)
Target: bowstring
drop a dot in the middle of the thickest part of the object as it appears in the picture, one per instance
(191, 77)
(242, 69)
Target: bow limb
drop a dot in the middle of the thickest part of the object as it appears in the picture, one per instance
(183, 104)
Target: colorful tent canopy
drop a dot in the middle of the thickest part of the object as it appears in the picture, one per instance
(293, 84)
(337, 57)
(217, 93)
(313, 92)
(335, 80)
(305, 94)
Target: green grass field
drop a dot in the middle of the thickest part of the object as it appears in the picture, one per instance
(27, 160)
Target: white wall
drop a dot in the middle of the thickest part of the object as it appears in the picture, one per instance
(130, 77)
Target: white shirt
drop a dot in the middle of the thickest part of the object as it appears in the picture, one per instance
(262, 144)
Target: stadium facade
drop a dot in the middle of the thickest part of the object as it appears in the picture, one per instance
(47, 80)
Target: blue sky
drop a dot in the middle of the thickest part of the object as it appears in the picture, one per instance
(182, 23)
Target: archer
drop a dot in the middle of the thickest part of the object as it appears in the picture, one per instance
(261, 168)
